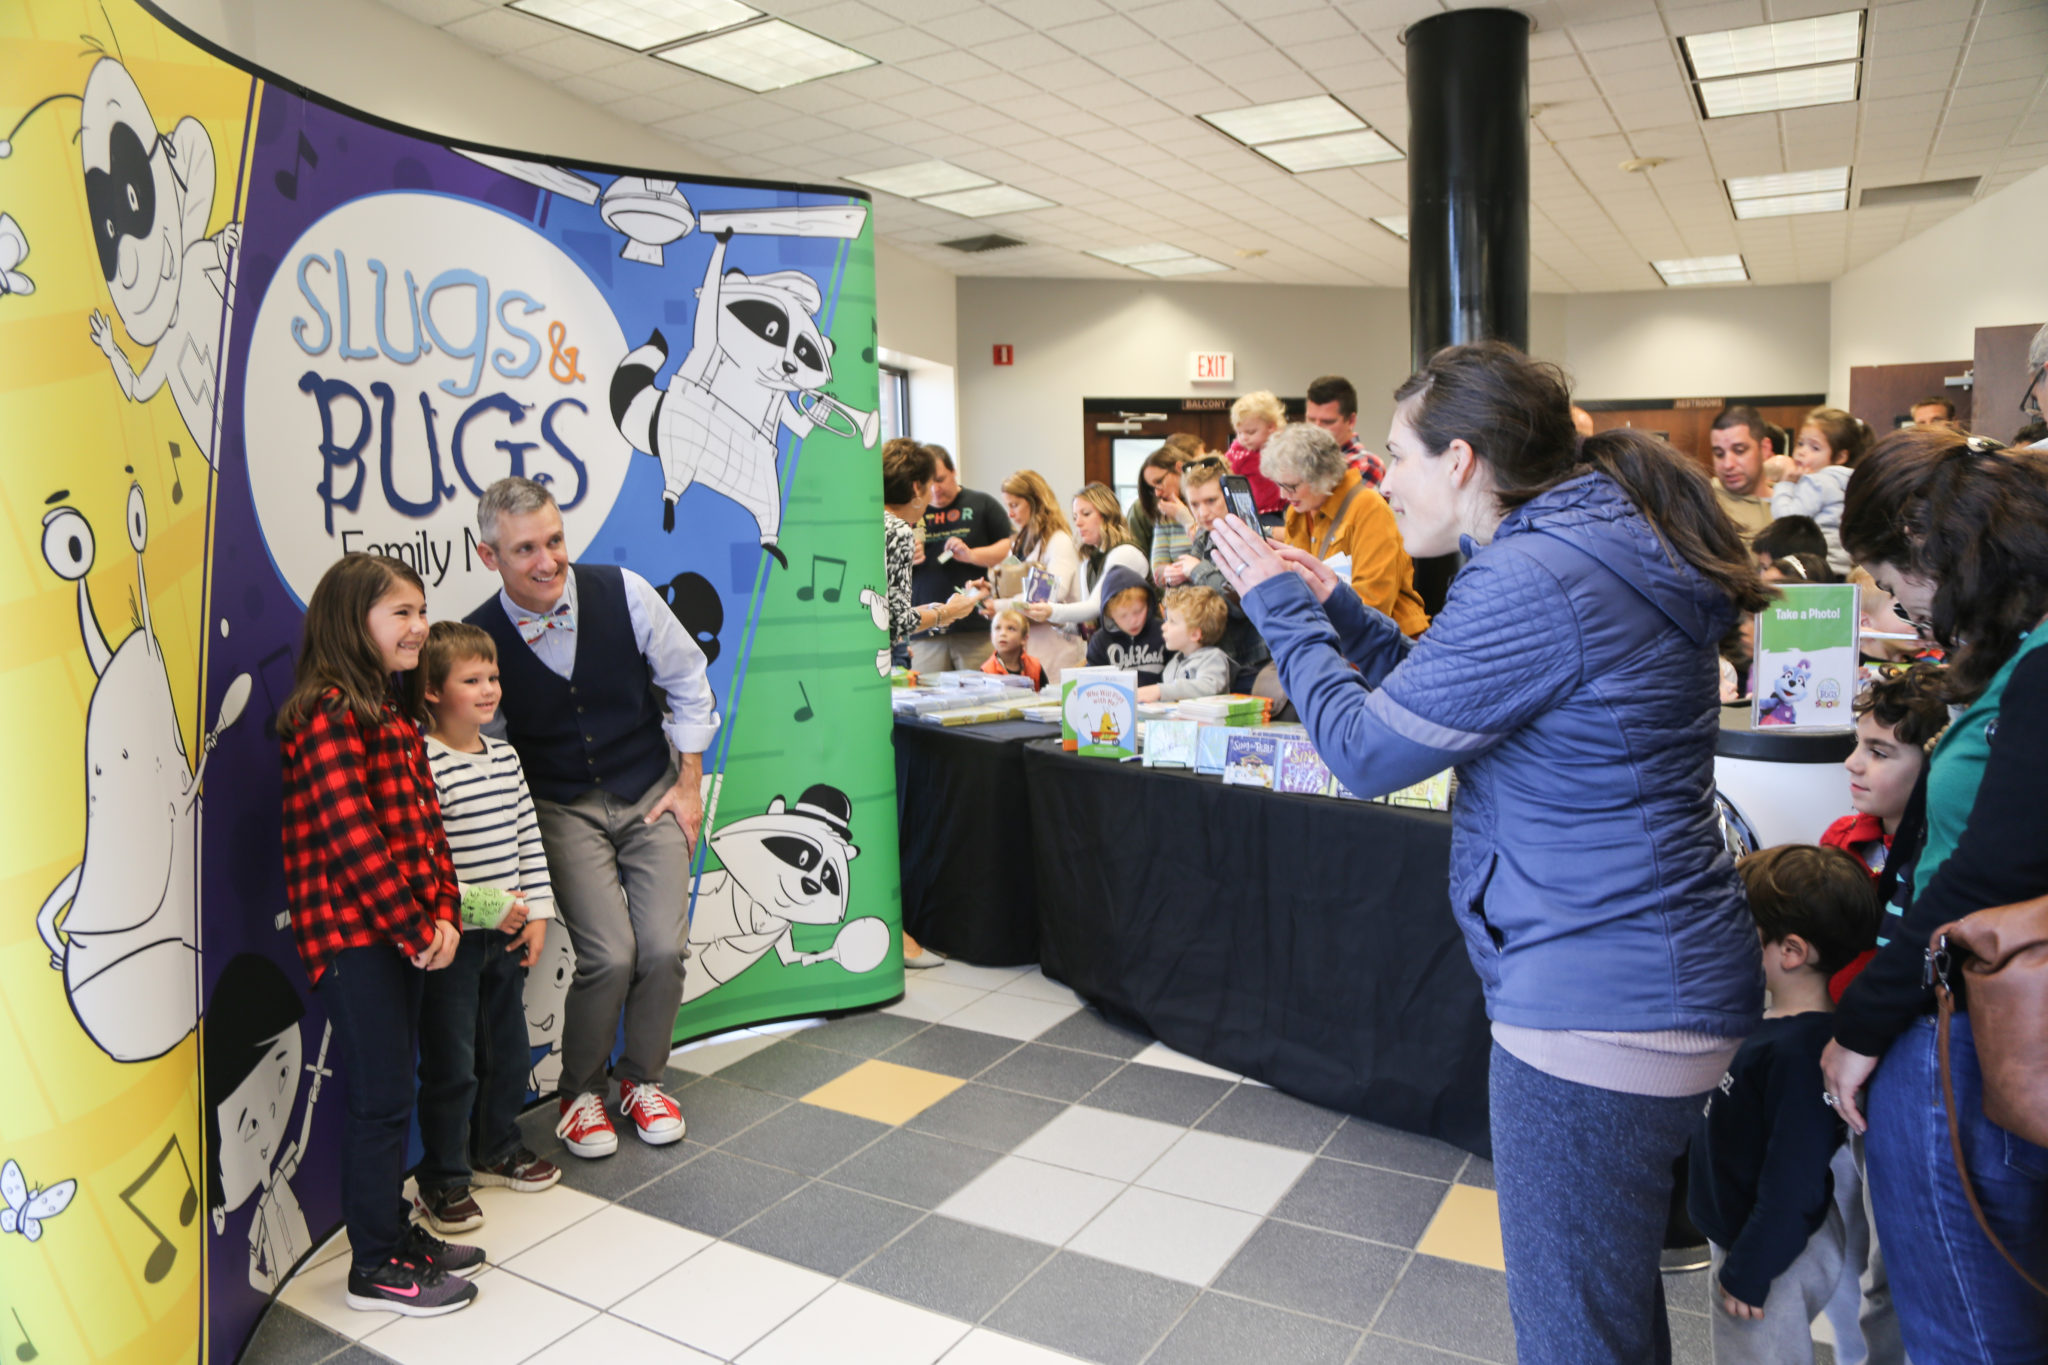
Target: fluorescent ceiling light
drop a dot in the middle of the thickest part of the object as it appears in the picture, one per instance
(982, 203)
(1137, 255)
(1770, 90)
(920, 178)
(1312, 117)
(1787, 205)
(1702, 270)
(640, 24)
(770, 55)
(1396, 223)
(1361, 148)
(1774, 47)
(1181, 265)
(1791, 182)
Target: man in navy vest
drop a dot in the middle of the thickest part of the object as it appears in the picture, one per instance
(583, 651)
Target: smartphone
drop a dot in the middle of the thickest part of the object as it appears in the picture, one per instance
(1237, 492)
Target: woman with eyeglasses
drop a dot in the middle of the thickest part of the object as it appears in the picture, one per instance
(1335, 515)
(1957, 530)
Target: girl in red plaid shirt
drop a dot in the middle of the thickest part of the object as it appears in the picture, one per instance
(374, 906)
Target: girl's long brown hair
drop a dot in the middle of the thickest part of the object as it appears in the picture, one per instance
(338, 652)
(1115, 530)
(1030, 488)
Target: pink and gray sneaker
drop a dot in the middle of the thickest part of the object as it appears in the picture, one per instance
(410, 1287)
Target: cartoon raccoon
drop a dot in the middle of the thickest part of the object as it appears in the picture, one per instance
(1781, 707)
(786, 866)
(756, 348)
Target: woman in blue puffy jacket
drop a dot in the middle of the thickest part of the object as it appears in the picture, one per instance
(1571, 679)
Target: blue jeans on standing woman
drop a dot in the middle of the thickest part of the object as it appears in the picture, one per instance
(474, 1060)
(372, 996)
(1584, 1177)
(1958, 1302)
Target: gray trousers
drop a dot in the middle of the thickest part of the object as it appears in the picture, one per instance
(1866, 1327)
(1785, 1332)
(623, 889)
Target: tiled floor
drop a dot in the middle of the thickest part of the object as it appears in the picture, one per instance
(984, 1173)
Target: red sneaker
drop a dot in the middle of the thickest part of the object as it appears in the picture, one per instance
(657, 1117)
(585, 1128)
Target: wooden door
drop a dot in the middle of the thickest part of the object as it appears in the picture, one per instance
(1685, 422)
(1883, 395)
(2002, 376)
(1118, 433)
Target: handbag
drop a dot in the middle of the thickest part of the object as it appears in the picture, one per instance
(2000, 956)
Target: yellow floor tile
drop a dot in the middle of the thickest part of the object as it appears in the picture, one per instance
(1466, 1228)
(884, 1092)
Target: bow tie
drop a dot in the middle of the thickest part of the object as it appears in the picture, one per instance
(531, 628)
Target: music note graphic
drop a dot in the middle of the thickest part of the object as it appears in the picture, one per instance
(288, 181)
(164, 1255)
(177, 479)
(27, 1349)
(804, 712)
(810, 589)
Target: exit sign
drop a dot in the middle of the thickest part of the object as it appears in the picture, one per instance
(1211, 367)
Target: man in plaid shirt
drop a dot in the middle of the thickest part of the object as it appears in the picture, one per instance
(1333, 406)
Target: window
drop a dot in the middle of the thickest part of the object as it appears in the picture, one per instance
(895, 402)
(1127, 455)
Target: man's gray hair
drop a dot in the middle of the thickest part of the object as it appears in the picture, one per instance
(510, 497)
(1302, 453)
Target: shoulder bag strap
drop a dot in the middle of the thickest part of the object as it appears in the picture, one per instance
(1947, 1004)
(1337, 519)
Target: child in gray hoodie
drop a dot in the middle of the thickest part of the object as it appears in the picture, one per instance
(1195, 667)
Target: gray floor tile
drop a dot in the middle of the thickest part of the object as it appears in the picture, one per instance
(863, 1035)
(1055, 1072)
(1150, 1092)
(714, 1194)
(287, 1337)
(357, 1355)
(913, 1168)
(1088, 1031)
(1689, 1292)
(537, 1129)
(1374, 1145)
(1224, 1331)
(1379, 1350)
(626, 1170)
(1263, 1115)
(789, 1068)
(1460, 1308)
(1093, 1309)
(826, 1228)
(1692, 1340)
(950, 1051)
(806, 1139)
(1478, 1171)
(715, 1110)
(986, 1117)
(952, 1267)
(1363, 1201)
(1313, 1272)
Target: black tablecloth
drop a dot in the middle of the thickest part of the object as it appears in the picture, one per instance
(964, 831)
(1302, 941)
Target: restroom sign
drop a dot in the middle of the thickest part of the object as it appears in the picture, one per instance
(1211, 367)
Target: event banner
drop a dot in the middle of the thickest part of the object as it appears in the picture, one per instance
(247, 332)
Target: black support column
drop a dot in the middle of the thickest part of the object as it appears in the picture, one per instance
(1468, 179)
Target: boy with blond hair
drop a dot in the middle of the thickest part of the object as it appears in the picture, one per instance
(1195, 665)
(1006, 633)
(1254, 418)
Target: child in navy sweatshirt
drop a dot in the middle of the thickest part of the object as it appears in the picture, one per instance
(1762, 1186)
(1129, 635)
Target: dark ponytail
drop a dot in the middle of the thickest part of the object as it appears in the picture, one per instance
(1516, 415)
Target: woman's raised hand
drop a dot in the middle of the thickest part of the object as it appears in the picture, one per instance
(1244, 554)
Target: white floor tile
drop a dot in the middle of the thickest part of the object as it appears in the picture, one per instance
(983, 1347)
(1237, 1174)
(1031, 1199)
(608, 1255)
(514, 1221)
(931, 1001)
(321, 1293)
(849, 1326)
(724, 1299)
(1010, 1016)
(956, 973)
(1166, 1235)
(713, 1055)
(1038, 986)
(510, 1320)
(610, 1339)
(1160, 1055)
(1115, 1146)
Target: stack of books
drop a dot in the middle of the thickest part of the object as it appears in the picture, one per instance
(1230, 708)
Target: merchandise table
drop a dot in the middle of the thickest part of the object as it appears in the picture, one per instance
(1303, 941)
(964, 832)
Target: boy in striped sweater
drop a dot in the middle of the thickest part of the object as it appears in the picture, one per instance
(474, 1054)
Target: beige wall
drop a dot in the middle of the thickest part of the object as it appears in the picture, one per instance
(1696, 342)
(1926, 297)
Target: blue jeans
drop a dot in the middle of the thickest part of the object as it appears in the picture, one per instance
(1958, 1302)
(1585, 1179)
(474, 1060)
(373, 998)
